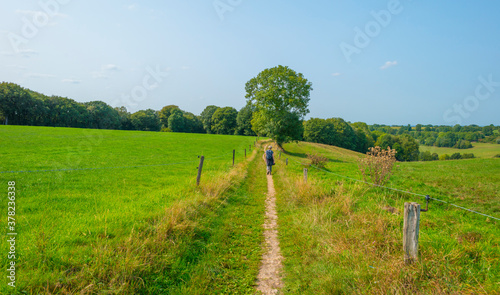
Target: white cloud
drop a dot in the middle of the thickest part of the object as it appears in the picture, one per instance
(388, 64)
(335, 74)
(183, 68)
(38, 75)
(99, 75)
(105, 69)
(71, 81)
(110, 67)
(131, 7)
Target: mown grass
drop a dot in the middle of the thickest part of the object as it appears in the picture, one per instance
(343, 237)
(479, 149)
(109, 229)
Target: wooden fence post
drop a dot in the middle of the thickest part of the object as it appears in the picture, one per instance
(200, 167)
(305, 174)
(233, 156)
(410, 232)
(287, 161)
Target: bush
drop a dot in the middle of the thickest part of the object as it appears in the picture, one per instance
(165, 129)
(317, 160)
(498, 140)
(468, 156)
(444, 157)
(456, 156)
(377, 165)
(496, 156)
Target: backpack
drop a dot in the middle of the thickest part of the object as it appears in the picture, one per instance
(269, 155)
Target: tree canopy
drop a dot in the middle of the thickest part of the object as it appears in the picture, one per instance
(280, 97)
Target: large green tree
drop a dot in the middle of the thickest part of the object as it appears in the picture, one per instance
(165, 113)
(281, 97)
(146, 120)
(224, 121)
(244, 121)
(206, 117)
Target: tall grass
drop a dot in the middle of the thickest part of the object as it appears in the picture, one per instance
(343, 237)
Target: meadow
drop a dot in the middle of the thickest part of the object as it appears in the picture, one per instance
(118, 212)
(340, 236)
(479, 149)
(88, 201)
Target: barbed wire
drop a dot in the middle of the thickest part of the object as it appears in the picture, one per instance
(399, 190)
(104, 168)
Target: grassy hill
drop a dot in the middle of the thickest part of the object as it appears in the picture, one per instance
(339, 236)
(99, 209)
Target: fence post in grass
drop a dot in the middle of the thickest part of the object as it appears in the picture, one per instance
(305, 174)
(280, 155)
(410, 232)
(233, 156)
(287, 161)
(200, 167)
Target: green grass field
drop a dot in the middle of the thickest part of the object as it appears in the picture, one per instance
(341, 237)
(479, 149)
(118, 212)
(128, 183)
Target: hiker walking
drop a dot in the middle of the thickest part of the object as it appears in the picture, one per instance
(269, 159)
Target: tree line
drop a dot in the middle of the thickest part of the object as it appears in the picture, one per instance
(277, 102)
(20, 106)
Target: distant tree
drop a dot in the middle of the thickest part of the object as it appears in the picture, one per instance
(15, 104)
(456, 156)
(193, 124)
(176, 121)
(146, 120)
(206, 117)
(125, 123)
(488, 130)
(281, 97)
(165, 113)
(345, 135)
(463, 144)
(418, 128)
(102, 116)
(320, 131)
(224, 121)
(244, 121)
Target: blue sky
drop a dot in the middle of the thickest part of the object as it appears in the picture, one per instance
(386, 62)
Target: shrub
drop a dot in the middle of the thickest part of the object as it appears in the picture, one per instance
(317, 160)
(498, 140)
(456, 156)
(377, 165)
(444, 157)
(468, 156)
(496, 156)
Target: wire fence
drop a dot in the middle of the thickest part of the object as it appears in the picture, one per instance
(399, 190)
(104, 168)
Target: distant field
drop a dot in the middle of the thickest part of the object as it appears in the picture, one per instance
(339, 236)
(480, 150)
(105, 184)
